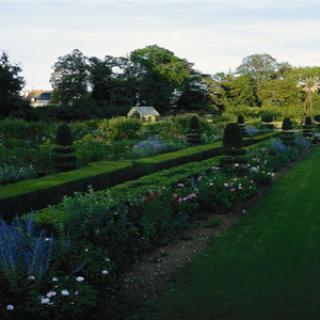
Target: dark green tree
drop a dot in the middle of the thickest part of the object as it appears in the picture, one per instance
(70, 77)
(11, 83)
(261, 67)
(100, 79)
(159, 74)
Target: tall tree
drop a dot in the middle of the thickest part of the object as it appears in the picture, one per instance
(70, 76)
(11, 83)
(261, 67)
(159, 74)
(100, 78)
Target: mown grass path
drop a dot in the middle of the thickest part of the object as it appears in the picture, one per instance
(266, 267)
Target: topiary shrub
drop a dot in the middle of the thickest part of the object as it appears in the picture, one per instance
(232, 142)
(193, 135)
(287, 136)
(307, 128)
(317, 118)
(286, 124)
(64, 136)
(240, 119)
(64, 156)
(242, 125)
(232, 137)
(266, 119)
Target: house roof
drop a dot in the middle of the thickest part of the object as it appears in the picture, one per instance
(39, 95)
(144, 111)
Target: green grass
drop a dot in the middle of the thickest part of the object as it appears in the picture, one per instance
(266, 267)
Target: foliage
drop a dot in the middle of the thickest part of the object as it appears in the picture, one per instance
(11, 83)
(64, 136)
(69, 77)
(232, 136)
(286, 124)
(11, 173)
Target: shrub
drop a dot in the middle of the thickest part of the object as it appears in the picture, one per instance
(287, 137)
(317, 118)
(308, 122)
(121, 128)
(193, 136)
(64, 136)
(240, 119)
(232, 137)
(286, 124)
(64, 156)
(232, 141)
(307, 128)
(267, 118)
(12, 173)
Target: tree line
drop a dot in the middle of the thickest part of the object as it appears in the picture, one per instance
(85, 87)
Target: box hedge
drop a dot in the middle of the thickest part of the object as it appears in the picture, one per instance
(24, 196)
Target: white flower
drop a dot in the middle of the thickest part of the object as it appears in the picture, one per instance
(76, 293)
(105, 272)
(54, 279)
(31, 278)
(226, 185)
(51, 294)
(44, 300)
(86, 250)
(10, 307)
(80, 279)
(107, 259)
(65, 293)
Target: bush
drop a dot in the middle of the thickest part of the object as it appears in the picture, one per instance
(267, 117)
(232, 137)
(317, 118)
(286, 124)
(287, 137)
(193, 136)
(64, 136)
(11, 173)
(121, 128)
(307, 128)
(64, 156)
(308, 122)
(240, 120)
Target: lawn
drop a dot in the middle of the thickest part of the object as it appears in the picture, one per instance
(266, 267)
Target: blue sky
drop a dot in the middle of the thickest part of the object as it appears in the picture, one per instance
(214, 34)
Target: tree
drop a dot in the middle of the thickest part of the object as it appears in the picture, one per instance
(11, 83)
(100, 78)
(159, 74)
(310, 86)
(70, 76)
(261, 67)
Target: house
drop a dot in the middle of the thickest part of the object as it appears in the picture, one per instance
(144, 113)
(39, 98)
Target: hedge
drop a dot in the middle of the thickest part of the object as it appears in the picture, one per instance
(164, 178)
(24, 196)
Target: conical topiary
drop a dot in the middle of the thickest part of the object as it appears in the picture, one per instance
(232, 142)
(232, 137)
(267, 119)
(193, 135)
(307, 128)
(64, 156)
(286, 124)
(287, 136)
(242, 125)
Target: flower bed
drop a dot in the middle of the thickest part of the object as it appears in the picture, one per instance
(98, 234)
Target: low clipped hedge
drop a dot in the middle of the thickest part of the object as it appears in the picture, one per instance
(53, 216)
(24, 196)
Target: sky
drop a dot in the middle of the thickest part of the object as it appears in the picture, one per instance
(213, 34)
